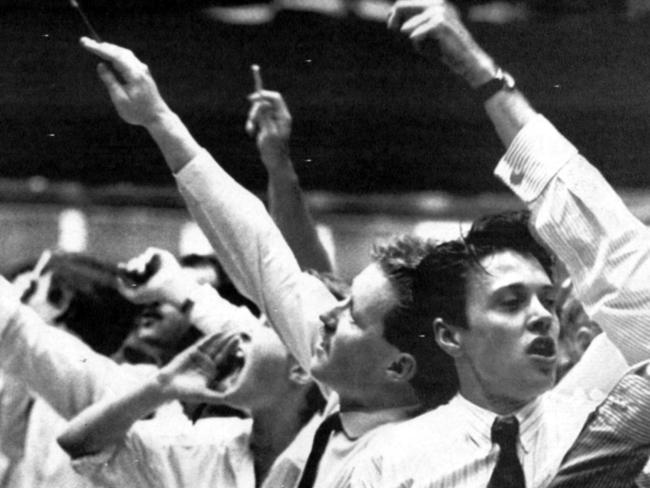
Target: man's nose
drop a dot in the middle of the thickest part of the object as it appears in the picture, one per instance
(542, 319)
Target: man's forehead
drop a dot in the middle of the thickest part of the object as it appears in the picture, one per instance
(372, 287)
(508, 268)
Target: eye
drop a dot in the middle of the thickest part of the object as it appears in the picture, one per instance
(548, 302)
(511, 302)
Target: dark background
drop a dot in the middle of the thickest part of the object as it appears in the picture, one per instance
(369, 114)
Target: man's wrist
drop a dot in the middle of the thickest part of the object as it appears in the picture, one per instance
(162, 120)
(159, 388)
(480, 71)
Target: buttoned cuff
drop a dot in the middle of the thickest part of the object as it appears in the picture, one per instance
(535, 156)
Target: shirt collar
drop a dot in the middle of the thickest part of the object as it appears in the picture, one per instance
(479, 421)
(357, 423)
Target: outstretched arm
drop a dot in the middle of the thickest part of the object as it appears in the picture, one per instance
(269, 121)
(187, 377)
(204, 307)
(52, 363)
(249, 245)
(575, 211)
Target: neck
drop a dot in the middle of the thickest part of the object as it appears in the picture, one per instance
(501, 405)
(274, 428)
(392, 397)
(483, 394)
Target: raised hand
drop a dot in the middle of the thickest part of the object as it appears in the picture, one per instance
(189, 375)
(269, 121)
(426, 22)
(166, 282)
(136, 97)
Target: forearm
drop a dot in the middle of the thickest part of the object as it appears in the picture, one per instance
(509, 112)
(56, 365)
(289, 210)
(174, 140)
(254, 254)
(107, 422)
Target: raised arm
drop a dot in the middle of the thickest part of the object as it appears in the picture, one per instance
(249, 245)
(575, 211)
(205, 309)
(187, 377)
(269, 121)
(52, 363)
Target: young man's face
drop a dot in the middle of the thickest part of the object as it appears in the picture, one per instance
(353, 355)
(509, 349)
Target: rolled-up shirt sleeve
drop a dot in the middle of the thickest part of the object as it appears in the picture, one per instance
(578, 215)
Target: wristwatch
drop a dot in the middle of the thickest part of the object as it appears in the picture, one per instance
(502, 80)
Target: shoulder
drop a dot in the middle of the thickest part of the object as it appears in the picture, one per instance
(432, 433)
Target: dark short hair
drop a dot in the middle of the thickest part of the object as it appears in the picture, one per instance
(408, 327)
(97, 312)
(443, 274)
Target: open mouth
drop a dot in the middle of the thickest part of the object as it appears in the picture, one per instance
(229, 370)
(542, 346)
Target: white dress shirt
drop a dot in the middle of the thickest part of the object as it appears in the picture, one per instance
(50, 376)
(256, 257)
(170, 451)
(606, 250)
(451, 447)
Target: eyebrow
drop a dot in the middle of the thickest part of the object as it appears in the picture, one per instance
(522, 286)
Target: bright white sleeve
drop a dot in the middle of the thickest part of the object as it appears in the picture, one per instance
(254, 254)
(52, 363)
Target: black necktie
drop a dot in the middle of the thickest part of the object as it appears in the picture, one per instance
(508, 472)
(329, 425)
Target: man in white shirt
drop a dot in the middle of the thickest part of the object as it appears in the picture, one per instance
(504, 337)
(371, 349)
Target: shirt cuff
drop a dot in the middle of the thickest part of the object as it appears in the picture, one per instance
(535, 156)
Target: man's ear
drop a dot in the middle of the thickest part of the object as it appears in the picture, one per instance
(447, 337)
(403, 368)
(298, 375)
(584, 336)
